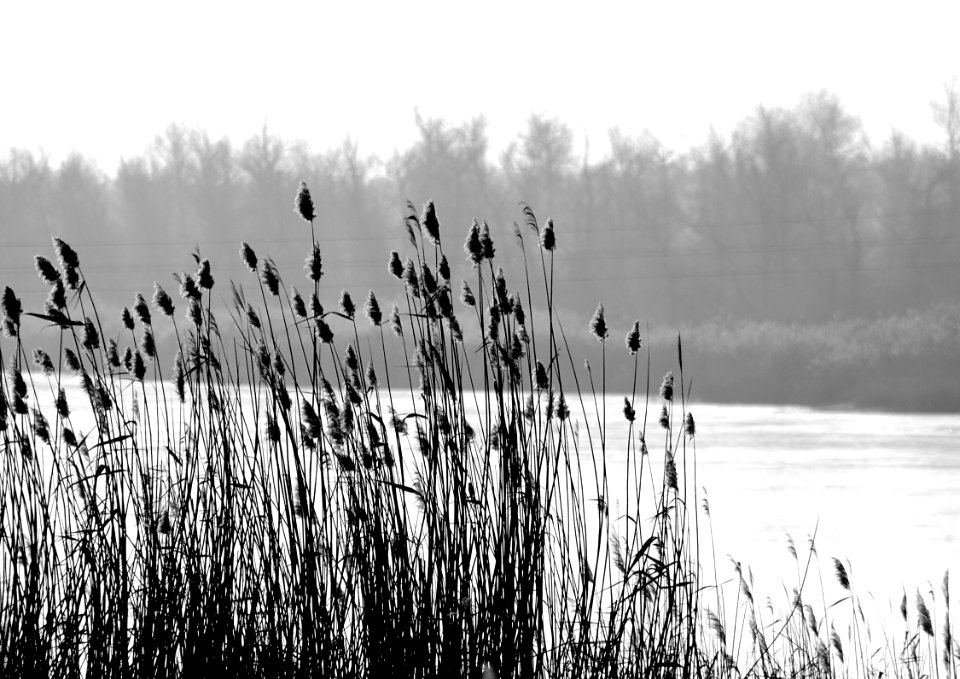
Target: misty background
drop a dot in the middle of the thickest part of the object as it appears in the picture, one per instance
(823, 265)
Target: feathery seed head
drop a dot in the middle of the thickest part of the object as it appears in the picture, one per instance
(299, 307)
(46, 269)
(548, 239)
(633, 340)
(304, 203)
(346, 304)
(314, 264)
(204, 277)
(141, 309)
(11, 307)
(443, 269)
(372, 309)
(91, 338)
(71, 360)
(42, 360)
(395, 265)
(57, 298)
(188, 287)
(270, 277)
(323, 331)
(666, 387)
(598, 324)
(395, 326)
(473, 245)
(162, 301)
(430, 222)
(248, 256)
(466, 294)
(486, 241)
(410, 278)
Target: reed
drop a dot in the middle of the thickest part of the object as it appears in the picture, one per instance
(289, 500)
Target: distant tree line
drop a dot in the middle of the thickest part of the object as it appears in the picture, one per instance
(794, 214)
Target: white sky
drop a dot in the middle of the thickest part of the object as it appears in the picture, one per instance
(104, 78)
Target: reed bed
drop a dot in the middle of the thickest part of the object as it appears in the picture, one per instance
(278, 496)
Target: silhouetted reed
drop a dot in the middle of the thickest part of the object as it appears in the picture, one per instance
(303, 505)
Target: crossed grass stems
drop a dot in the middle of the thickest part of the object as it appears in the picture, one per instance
(276, 506)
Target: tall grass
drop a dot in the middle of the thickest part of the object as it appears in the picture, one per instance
(287, 500)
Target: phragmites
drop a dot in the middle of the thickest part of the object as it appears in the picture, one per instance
(312, 426)
(148, 344)
(372, 309)
(204, 277)
(126, 318)
(443, 269)
(541, 376)
(69, 262)
(188, 288)
(303, 204)
(598, 324)
(842, 576)
(63, 407)
(633, 340)
(12, 308)
(689, 426)
(430, 222)
(316, 309)
(42, 360)
(46, 269)
(395, 265)
(664, 417)
(427, 281)
(410, 278)
(57, 298)
(395, 326)
(179, 376)
(486, 241)
(347, 307)
(195, 312)
(562, 410)
(71, 360)
(299, 308)
(923, 616)
(666, 387)
(548, 239)
(493, 322)
(248, 256)
(142, 310)
(139, 367)
(91, 338)
(670, 472)
(270, 277)
(473, 245)
(162, 301)
(517, 307)
(314, 264)
(628, 412)
(466, 294)
(323, 331)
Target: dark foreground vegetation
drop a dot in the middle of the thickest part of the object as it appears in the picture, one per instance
(279, 499)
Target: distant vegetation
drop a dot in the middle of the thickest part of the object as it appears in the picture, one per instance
(275, 497)
(794, 217)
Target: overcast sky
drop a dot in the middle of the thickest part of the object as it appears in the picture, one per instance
(104, 78)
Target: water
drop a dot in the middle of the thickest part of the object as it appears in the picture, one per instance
(881, 490)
